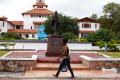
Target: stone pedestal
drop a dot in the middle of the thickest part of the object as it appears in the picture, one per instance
(54, 46)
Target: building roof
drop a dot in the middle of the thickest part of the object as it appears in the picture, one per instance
(17, 23)
(3, 18)
(38, 23)
(86, 19)
(28, 31)
(40, 4)
(39, 11)
(87, 31)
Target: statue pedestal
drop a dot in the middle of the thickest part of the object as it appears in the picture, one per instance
(54, 47)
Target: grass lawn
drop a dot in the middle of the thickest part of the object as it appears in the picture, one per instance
(3, 53)
(112, 54)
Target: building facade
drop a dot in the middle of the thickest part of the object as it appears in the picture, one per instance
(87, 25)
(28, 28)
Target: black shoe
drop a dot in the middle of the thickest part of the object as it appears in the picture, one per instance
(55, 76)
(73, 77)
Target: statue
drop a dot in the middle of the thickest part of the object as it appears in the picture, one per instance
(54, 47)
(41, 33)
(55, 22)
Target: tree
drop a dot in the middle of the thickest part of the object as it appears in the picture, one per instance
(91, 37)
(118, 36)
(111, 9)
(67, 24)
(103, 38)
(94, 16)
(102, 34)
(7, 45)
(111, 17)
(12, 44)
(105, 22)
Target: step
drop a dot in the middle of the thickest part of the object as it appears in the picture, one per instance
(43, 59)
(75, 61)
(54, 66)
(55, 61)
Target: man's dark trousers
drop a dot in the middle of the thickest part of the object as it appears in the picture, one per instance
(66, 62)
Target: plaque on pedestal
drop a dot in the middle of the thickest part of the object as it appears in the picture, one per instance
(54, 47)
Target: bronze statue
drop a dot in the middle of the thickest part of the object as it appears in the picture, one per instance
(55, 22)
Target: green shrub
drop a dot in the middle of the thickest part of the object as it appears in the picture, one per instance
(101, 44)
(69, 35)
(10, 36)
(6, 45)
(83, 40)
(118, 41)
(110, 44)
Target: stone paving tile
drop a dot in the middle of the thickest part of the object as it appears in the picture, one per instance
(65, 78)
(12, 73)
(78, 74)
(10, 78)
(47, 75)
(105, 79)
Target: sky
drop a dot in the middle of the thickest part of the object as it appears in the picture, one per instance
(12, 9)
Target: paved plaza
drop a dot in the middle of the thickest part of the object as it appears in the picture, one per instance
(47, 67)
(47, 75)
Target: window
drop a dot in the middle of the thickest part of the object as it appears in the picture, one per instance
(17, 27)
(95, 25)
(82, 25)
(87, 25)
(33, 36)
(31, 15)
(34, 16)
(27, 35)
(42, 15)
(3, 24)
(39, 15)
(45, 15)
(90, 25)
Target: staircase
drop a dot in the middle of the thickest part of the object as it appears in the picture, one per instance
(55, 66)
(51, 64)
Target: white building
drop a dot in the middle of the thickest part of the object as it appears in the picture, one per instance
(32, 20)
(87, 25)
(38, 15)
(6, 25)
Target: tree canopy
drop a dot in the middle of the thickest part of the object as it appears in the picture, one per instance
(111, 17)
(94, 16)
(66, 24)
(103, 34)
